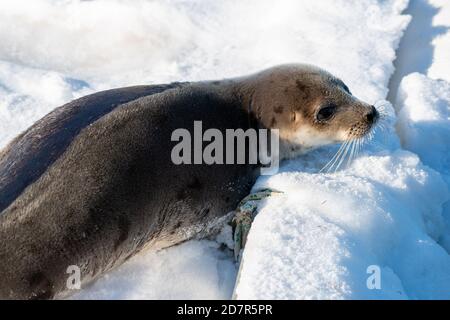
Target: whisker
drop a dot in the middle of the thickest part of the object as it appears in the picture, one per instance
(383, 131)
(336, 155)
(381, 104)
(352, 147)
(355, 155)
(339, 156)
(352, 153)
(363, 142)
(359, 145)
(357, 148)
(344, 156)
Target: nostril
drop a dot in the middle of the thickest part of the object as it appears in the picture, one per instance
(374, 111)
(372, 115)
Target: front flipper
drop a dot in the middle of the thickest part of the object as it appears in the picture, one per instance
(242, 221)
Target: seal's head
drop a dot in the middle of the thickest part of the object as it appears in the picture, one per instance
(309, 106)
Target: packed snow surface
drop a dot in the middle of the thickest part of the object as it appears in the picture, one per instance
(327, 233)
(440, 65)
(192, 270)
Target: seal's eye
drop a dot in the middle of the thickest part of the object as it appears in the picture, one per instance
(326, 112)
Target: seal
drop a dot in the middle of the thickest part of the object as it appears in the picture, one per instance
(92, 183)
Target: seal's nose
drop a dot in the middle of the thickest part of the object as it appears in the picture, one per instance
(372, 116)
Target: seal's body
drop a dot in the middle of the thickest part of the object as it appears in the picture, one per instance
(92, 183)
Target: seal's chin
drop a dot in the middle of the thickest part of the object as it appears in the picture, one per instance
(304, 141)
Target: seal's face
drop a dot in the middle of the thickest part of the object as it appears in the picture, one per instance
(311, 108)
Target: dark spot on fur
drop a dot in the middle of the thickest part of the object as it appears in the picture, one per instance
(41, 287)
(273, 122)
(195, 184)
(161, 119)
(190, 189)
(177, 225)
(300, 85)
(278, 109)
(303, 89)
(227, 199)
(181, 194)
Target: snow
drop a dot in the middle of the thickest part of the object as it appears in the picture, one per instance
(440, 67)
(317, 241)
(423, 99)
(424, 47)
(320, 237)
(28, 94)
(424, 120)
(186, 271)
(424, 127)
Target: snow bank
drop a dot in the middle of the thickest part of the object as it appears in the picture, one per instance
(424, 120)
(424, 127)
